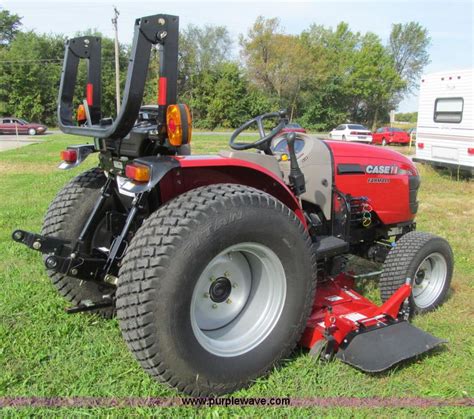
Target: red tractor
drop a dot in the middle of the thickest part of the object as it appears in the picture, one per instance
(217, 266)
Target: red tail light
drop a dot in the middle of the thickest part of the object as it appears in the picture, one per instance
(353, 133)
(470, 151)
(421, 146)
(69, 156)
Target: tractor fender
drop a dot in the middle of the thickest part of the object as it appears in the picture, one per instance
(176, 175)
(160, 166)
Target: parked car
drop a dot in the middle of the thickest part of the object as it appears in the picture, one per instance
(293, 127)
(12, 125)
(351, 132)
(387, 135)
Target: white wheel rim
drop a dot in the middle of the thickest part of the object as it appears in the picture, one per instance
(429, 281)
(250, 309)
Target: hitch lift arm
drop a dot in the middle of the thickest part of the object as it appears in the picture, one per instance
(68, 258)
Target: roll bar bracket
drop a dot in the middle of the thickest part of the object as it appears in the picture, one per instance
(150, 30)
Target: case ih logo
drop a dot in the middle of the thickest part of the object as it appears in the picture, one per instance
(381, 170)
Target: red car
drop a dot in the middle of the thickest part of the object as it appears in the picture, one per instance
(387, 135)
(293, 127)
(13, 125)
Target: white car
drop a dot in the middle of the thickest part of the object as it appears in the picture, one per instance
(351, 132)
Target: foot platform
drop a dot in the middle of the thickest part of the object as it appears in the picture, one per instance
(379, 349)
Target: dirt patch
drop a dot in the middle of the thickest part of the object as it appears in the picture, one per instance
(6, 168)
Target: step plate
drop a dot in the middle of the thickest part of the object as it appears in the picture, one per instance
(380, 349)
(330, 246)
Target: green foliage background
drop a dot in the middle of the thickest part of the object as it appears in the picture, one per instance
(323, 76)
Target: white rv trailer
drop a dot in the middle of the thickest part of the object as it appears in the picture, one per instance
(445, 130)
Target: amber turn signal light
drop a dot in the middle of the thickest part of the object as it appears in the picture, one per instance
(138, 172)
(81, 114)
(178, 124)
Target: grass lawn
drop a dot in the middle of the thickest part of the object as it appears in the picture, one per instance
(45, 352)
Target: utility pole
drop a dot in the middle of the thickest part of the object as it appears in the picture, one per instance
(117, 68)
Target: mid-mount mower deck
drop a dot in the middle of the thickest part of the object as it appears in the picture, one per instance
(217, 266)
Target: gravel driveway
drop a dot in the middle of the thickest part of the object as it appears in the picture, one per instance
(8, 142)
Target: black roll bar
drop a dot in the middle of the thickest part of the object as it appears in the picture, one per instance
(150, 30)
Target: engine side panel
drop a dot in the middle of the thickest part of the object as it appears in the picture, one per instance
(382, 176)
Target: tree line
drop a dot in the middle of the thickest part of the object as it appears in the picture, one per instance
(323, 76)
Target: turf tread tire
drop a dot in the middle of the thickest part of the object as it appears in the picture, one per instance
(64, 218)
(402, 262)
(150, 254)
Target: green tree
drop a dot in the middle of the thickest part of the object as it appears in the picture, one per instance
(9, 27)
(205, 47)
(408, 46)
(260, 52)
(278, 63)
(362, 81)
(31, 71)
(328, 100)
(29, 77)
(221, 98)
(407, 117)
(227, 106)
(201, 50)
(372, 81)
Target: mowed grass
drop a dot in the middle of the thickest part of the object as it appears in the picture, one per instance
(45, 352)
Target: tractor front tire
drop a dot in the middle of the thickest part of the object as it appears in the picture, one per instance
(216, 288)
(428, 261)
(64, 219)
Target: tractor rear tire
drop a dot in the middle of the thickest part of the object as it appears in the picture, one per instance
(216, 288)
(64, 219)
(428, 261)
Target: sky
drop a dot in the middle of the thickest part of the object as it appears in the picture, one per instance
(450, 23)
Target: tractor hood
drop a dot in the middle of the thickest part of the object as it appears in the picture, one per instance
(388, 179)
(361, 153)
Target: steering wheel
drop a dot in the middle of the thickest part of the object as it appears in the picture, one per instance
(263, 143)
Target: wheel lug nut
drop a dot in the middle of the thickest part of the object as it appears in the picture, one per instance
(214, 306)
(212, 279)
(227, 274)
(206, 295)
(234, 285)
(229, 301)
